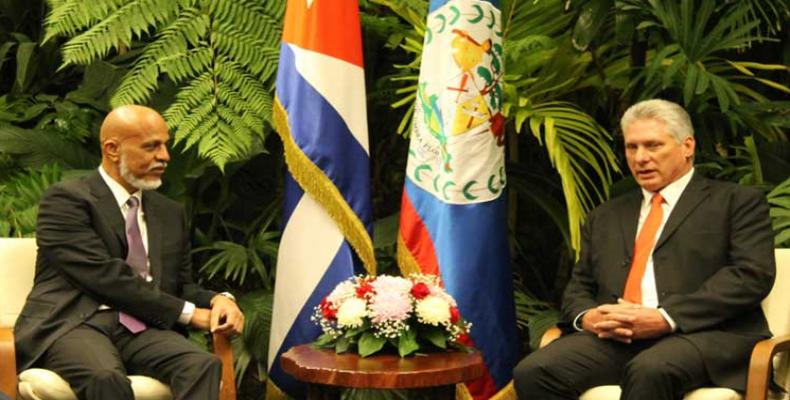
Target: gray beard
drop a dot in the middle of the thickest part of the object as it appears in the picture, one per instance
(141, 184)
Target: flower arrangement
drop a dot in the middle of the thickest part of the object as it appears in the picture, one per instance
(409, 314)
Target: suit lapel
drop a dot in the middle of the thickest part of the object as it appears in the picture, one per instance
(108, 207)
(692, 196)
(629, 219)
(154, 224)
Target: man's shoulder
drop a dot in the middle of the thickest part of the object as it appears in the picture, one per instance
(159, 200)
(80, 185)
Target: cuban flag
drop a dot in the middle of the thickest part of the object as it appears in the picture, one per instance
(453, 212)
(320, 114)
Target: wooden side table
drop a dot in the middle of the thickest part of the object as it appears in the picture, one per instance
(326, 370)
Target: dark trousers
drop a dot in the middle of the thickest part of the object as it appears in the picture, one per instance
(662, 369)
(96, 357)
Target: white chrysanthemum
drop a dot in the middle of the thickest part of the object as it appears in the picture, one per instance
(351, 313)
(433, 310)
(342, 292)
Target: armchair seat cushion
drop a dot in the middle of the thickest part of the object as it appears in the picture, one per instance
(43, 384)
(610, 392)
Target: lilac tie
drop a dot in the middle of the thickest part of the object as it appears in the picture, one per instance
(136, 258)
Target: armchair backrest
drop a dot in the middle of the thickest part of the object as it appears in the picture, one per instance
(17, 269)
(777, 305)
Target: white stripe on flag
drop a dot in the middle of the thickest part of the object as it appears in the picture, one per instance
(309, 243)
(343, 88)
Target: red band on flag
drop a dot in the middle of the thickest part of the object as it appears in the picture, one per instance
(315, 27)
(416, 237)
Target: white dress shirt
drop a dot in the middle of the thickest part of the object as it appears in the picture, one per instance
(121, 197)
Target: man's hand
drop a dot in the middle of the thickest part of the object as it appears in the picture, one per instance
(599, 321)
(625, 322)
(226, 318)
(201, 319)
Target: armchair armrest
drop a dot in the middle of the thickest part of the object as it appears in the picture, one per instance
(761, 366)
(549, 336)
(223, 350)
(8, 378)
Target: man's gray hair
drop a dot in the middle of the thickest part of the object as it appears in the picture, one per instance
(675, 117)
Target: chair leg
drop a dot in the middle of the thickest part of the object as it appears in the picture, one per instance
(8, 379)
(223, 350)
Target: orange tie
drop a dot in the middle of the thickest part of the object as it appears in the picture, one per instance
(642, 250)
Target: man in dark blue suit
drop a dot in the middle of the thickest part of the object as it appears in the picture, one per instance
(665, 297)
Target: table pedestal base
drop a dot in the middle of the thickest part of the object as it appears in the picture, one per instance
(326, 392)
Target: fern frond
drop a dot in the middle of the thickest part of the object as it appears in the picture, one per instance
(245, 49)
(250, 89)
(236, 101)
(222, 52)
(198, 90)
(142, 80)
(130, 21)
(70, 16)
(251, 18)
(197, 115)
(187, 65)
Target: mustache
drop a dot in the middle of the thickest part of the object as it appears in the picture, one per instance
(156, 165)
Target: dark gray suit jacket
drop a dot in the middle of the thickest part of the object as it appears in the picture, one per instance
(714, 263)
(81, 265)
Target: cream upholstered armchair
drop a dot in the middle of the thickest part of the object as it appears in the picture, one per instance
(17, 269)
(769, 358)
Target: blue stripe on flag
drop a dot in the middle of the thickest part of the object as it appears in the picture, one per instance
(334, 150)
(305, 331)
(471, 247)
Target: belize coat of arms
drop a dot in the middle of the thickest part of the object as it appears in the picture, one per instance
(456, 151)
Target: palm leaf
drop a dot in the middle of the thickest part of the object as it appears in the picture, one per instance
(576, 144)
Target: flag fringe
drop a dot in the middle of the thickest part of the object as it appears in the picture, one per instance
(273, 392)
(406, 262)
(506, 393)
(317, 184)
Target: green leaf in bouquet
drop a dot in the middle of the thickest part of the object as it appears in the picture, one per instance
(369, 344)
(342, 344)
(408, 343)
(354, 332)
(325, 340)
(436, 336)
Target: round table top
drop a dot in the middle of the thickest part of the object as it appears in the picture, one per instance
(384, 371)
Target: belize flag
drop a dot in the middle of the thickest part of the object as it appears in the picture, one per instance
(320, 115)
(453, 212)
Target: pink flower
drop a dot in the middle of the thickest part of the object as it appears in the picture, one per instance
(389, 306)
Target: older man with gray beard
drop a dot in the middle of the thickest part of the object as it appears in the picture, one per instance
(114, 292)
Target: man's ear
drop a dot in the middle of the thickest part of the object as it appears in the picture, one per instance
(112, 149)
(688, 146)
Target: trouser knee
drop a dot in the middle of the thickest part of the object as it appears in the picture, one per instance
(534, 378)
(105, 384)
(643, 376)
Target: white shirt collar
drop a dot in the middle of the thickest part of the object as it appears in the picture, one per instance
(118, 191)
(671, 193)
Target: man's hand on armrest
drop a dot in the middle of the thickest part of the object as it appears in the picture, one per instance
(201, 319)
(226, 317)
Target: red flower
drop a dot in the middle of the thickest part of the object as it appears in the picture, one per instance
(455, 315)
(420, 290)
(464, 339)
(364, 289)
(328, 310)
